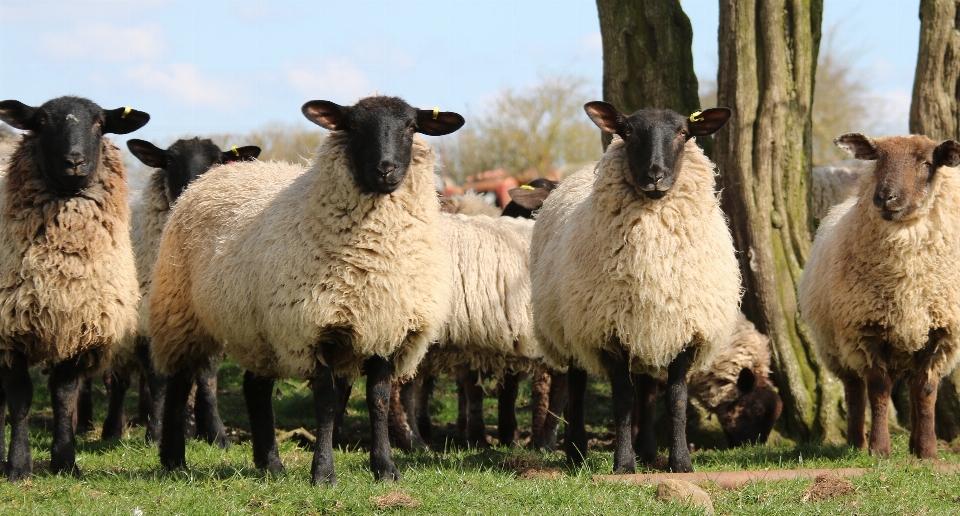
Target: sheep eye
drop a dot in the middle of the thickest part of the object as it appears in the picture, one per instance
(627, 132)
(412, 128)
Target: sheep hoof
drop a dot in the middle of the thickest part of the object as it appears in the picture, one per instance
(223, 443)
(173, 463)
(324, 479)
(16, 474)
(388, 474)
(68, 469)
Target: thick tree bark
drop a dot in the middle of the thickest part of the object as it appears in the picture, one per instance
(648, 57)
(768, 55)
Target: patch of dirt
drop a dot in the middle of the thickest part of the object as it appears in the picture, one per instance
(827, 486)
(395, 499)
(530, 468)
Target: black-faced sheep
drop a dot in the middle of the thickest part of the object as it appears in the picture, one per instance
(309, 274)
(881, 288)
(633, 271)
(68, 286)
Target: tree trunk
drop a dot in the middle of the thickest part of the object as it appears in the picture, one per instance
(768, 56)
(648, 57)
(935, 112)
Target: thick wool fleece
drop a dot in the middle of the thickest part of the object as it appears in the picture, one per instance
(613, 270)
(832, 185)
(149, 216)
(267, 261)
(874, 288)
(68, 286)
(717, 384)
(490, 326)
(468, 204)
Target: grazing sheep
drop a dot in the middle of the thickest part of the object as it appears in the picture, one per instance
(68, 286)
(327, 272)
(832, 184)
(633, 271)
(881, 288)
(176, 167)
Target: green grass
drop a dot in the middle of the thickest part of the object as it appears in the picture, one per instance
(124, 475)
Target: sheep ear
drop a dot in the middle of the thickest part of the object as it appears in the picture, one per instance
(326, 114)
(433, 122)
(19, 115)
(529, 198)
(709, 121)
(124, 120)
(248, 153)
(746, 381)
(605, 116)
(857, 145)
(148, 153)
(947, 154)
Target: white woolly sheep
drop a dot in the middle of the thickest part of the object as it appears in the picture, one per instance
(633, 271)
(831, 185)
(310, 274)
(881, 288)
(68, 286)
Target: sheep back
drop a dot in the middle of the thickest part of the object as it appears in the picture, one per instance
(831, 185)
(149, 216)
(873, 288)
(68, 286)
(267, 261)
(609, 264)
(717, 384)
(468, 204)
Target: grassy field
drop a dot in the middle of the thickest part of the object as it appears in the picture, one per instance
(124, 476)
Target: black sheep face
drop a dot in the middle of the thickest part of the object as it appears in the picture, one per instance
(750, 417)
(68, 131)
(655, 140)
(187, 160)
(381, 135)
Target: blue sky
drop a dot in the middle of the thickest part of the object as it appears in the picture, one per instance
(206, 66)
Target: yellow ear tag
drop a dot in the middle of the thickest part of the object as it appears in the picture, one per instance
(695, 116)
(527, 187)
(436, 112)
(126, 111)
(235, 151)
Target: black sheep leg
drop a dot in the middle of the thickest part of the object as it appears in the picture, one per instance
(114, 422)
(258, 395)
(63, 397)
(84, 415)
(645, 444)
(344, 386)
(379, 372)
(461, 410)
(157, 385)
(559, 398)
(622, 392)
(473, 392)
(679, 460)
(408, 398)
(507, 409)
(424, 392)
(576, 442)
(19, 390)
(173, 443)
(144, 399)
(325, 404)
(209, 425)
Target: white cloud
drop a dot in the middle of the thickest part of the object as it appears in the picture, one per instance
(105, 42)
(183, 83)
(332, 79)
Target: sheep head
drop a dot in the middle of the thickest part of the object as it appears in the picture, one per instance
(68, 131)
(381, 135)
(906, 167)
(186, 160)
(654, 140)
(528, 198)
(750, 417)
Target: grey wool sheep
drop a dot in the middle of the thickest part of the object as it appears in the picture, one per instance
(881, 288)
(315, 274)
(68, 286)
(633, 271)
(831, 185)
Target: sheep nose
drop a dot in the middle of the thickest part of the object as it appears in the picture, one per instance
(656, 173)
(884, 199)
(386, 167)
(74, 162)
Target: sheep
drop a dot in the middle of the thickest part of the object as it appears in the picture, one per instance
(880, 290)
(175, 168)
(68, 286)
(309, 274)
(831, 185)
(633, 271)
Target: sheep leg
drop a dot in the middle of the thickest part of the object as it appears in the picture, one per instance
(115, 421)
(344, 386)
(646, 413)
(473, 391)
(397, 426)
(507, 409)
(209, 424)
(423, 407)
(144, 399)
(539, 405)
(190, 413)
(157, 386)
(576, 441)
(258, 395)
(855, 390)
(18, 387)
(559, 398)
(461, 410)
(622, 392)
(173, 442)
(84, 414)
(923, 396)
(379, 372)
(325, 404)
(408, 399)
(878, 390)
(63, 397)
(679, 460)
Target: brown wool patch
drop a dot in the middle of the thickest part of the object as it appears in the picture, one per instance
(827, 486)
(395, 499)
